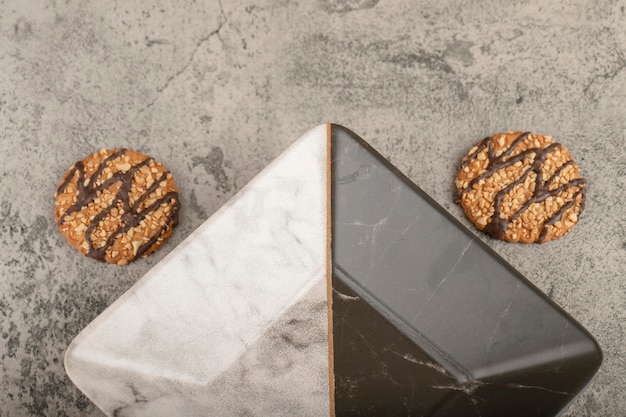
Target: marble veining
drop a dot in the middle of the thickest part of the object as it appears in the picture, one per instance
(239, 306)
(377, 234)
(428, 321)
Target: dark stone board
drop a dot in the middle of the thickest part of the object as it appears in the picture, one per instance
(427, 319)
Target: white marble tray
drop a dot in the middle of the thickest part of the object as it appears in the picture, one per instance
(234, 321)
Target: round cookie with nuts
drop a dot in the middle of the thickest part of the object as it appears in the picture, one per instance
(117, 205)
(521, 187)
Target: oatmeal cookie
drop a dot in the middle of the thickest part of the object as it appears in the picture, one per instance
(521, 187)
(117, 205)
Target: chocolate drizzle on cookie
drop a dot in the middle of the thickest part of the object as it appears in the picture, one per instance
(88, 189)
(498, 225)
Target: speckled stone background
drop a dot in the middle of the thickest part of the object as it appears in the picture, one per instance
(217, 90)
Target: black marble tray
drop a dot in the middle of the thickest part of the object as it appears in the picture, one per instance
(427, 319)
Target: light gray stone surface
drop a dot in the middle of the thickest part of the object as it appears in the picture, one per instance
(216, 91)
